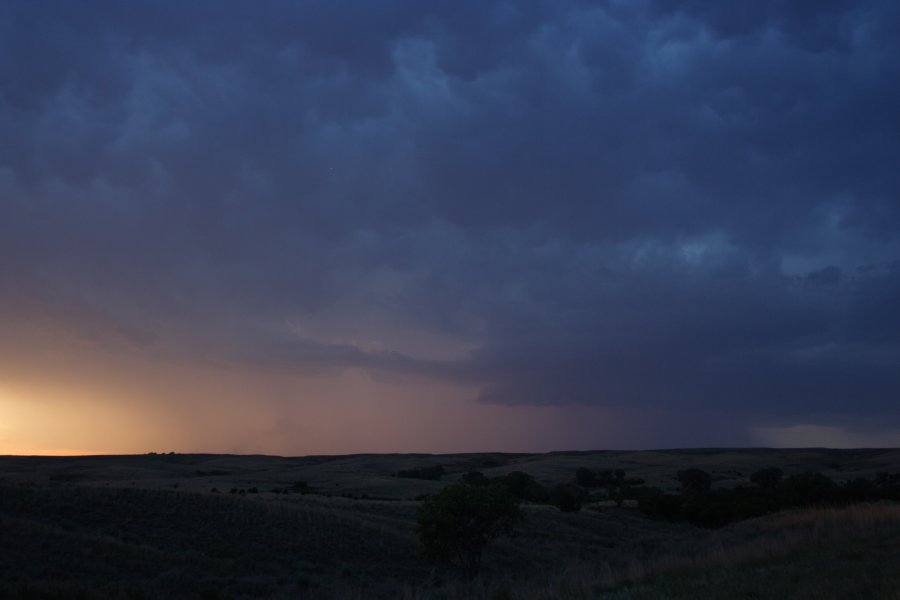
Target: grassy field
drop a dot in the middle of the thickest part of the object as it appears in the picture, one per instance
(168, 526)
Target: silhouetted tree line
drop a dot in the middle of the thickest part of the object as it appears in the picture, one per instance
(520, 485)
(697, 503)
(700, 505)
(458, 522)
(613, 483)
(568, 497)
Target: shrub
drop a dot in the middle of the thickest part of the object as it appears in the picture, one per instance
(302, 487)
(457, 523)
(804, 489)
(567, 498)
(694, 481)
(476, 478)
(767, 478)
(709, 509)
(657, 504)
(617, 486)
(888, 485)
(859, 490)
(586, 478)
(524, 487)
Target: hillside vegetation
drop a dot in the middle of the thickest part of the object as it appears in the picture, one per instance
(207, 526)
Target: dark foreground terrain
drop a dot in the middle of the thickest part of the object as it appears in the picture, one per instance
(214, 526)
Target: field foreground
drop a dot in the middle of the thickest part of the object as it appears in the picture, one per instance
(213, 526)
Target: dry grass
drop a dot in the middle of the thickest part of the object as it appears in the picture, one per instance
(775, 536)
(115, 527)
(819, 554)
(847, 533)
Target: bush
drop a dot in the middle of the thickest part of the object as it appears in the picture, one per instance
(767, 478)
(888, 485)
(586, 478)
(617, 486)
(457, 523)
(302, 487)
(524, 487)
(567, 498)
(476, 478)
(810, 488)
(709, 509)
(656, 504)
(859, 490)
(694, 481)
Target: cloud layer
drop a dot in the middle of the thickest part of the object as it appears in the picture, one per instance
(647, 206)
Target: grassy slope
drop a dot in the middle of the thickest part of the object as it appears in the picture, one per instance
(817, 554)
(858, 569)
(813, 554)
(164, 543)
(116, 527)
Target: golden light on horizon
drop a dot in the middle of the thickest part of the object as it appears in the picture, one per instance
(60, 422)
(199, 410)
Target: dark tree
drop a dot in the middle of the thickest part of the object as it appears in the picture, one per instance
(567, 498)
(618, 487)
(523, 486)
(888, 485)
(694, 481)
(658, 505)
(475, 478)
(859, 490)
(457, 523)
(302, 487)
(767, 478)
(617, 493)
(586, 478)
(810, 488)
(605, 477)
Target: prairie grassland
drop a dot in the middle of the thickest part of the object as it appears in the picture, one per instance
(373, 474)
(147, 543)
(122, 542)
(767, 538)
(151, 527)
(822, 554)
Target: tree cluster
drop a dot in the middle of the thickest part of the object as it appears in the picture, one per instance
(457, 523)
(525, 488)
(615, 485)
(568, 497)
(701, 505)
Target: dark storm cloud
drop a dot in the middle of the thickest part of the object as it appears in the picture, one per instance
(677, 204)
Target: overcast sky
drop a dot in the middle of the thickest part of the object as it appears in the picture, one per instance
(347, 226)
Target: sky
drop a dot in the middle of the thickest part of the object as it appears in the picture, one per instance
(448, 226)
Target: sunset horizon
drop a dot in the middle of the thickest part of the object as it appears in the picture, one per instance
(448, 227)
